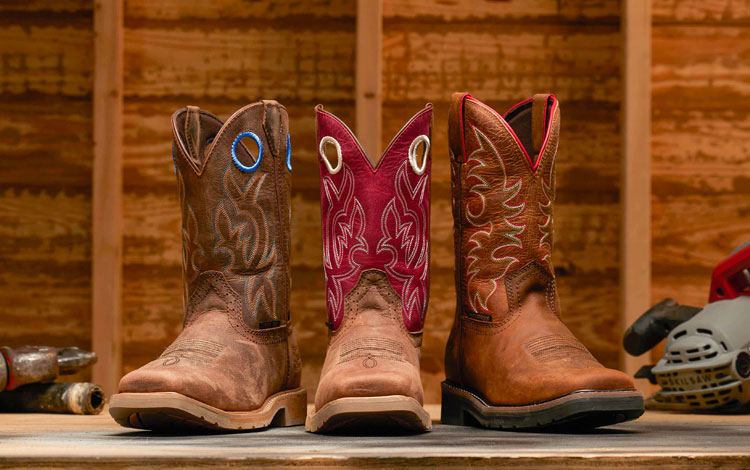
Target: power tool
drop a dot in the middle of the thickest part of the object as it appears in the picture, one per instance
(706, 363)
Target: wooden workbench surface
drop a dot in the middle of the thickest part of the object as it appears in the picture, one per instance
(664, 439)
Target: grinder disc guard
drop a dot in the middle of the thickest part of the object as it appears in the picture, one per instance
(706, 363)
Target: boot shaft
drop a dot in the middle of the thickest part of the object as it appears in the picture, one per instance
(376, 217)
(503, 177)
(234, 184)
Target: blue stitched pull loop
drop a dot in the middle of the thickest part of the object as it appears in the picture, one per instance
(237, 162)
(288, 152)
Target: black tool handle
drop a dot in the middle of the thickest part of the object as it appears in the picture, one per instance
(654, 325)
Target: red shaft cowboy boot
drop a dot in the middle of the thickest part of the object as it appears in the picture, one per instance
(235, 365)
(376, 224)
(510, 361)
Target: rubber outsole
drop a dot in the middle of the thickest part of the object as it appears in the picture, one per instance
(393, 411)
(174, 412)
(578, 411)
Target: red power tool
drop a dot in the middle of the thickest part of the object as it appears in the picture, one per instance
(731, 278)
(706, 363)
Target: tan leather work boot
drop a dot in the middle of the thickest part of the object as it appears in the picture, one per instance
(510, 361)
(376, 222)
(235, 365)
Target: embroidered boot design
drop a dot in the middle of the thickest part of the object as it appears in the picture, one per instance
(510, 362)
(376, 257)
(235, 365)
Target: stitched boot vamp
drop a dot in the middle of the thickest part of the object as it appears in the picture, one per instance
(371, 354)
(375, 221)
(212, 363)
(236, 352)
(367, 361)
(510, 361)
(531, 357)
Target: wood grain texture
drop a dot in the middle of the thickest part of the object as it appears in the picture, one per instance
(511, 10)
(700, 12)
(308, 12)
(503, 53)
(45, 173)
(221, 55)
(657, 440)
(240, 63)
(701, 123)
(700, 126)
(38, 8)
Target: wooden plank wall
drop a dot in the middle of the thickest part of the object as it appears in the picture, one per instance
(504, 52)
(221, 55)
(46, 67)
(700, 131)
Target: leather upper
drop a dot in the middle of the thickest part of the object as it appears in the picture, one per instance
(372, 353)
(505, 212)
(376, 253)
(234, 221)
(508, 343)
(376, 217)
(236, 348)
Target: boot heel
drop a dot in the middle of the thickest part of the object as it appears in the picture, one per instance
(293, 410)
(452, 410)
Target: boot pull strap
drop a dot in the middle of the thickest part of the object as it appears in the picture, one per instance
(322, 151)
(271, 122)
(539, 120)
(193, 134)
(456, 127)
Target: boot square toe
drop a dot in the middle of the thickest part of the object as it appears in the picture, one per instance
(510, 361)
(235, 365)
(356, 382)
(375, 226)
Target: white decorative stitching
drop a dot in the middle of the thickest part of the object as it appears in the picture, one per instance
(340, 228)
(477, 255)
(322, 151)
(411, 230)
(548, 190)
(242, 236)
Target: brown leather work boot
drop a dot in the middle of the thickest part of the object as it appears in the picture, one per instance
(236, 364)
(510, 361)
(376, 222)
